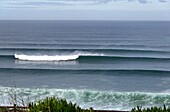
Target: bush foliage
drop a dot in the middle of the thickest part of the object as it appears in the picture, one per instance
(52, 104)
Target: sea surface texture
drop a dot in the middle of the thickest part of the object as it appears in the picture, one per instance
(107, 65)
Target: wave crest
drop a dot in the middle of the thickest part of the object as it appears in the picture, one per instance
(46, 57)
(75, 55)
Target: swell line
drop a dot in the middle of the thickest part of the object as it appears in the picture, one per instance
(80, 57)
(36, 44)
(121, 57)
(87, 70)
(88, 49)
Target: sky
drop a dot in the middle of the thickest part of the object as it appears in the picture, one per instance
(85, 10)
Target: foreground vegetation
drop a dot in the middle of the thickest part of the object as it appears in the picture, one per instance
(52, 104)
(55, 105)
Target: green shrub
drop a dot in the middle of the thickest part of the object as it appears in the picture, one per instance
(53, 104)
(152, 109)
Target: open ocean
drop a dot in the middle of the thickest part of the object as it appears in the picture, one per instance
(108, 65)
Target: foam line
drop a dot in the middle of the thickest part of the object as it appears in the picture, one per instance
(73, 56)
(46, 57)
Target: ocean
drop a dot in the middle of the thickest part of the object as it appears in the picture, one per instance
(107, 65)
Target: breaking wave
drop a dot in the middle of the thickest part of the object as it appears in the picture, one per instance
(85, 56)
(46, 57)
(52, 58)
(105, 100)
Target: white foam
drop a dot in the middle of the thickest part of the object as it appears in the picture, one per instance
(46, 57)
(100, 100)
(75, 55)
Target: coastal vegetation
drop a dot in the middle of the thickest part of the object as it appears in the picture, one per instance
(53, 104)
(50, 104)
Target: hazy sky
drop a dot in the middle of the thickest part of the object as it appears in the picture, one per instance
(85, 9)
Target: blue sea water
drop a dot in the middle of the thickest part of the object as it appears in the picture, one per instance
(113, 65)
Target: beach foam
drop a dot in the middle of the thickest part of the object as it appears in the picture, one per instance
(105, 100)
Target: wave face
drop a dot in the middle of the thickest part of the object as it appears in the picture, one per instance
(106, 100)
(104, 64)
